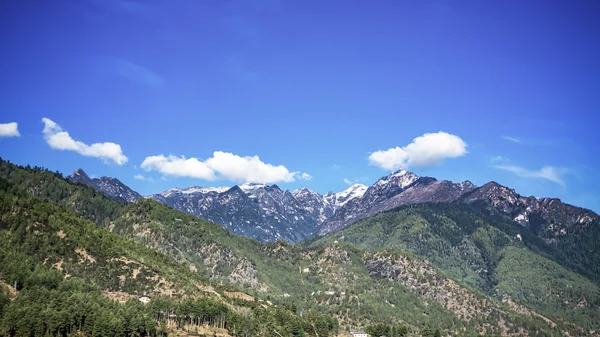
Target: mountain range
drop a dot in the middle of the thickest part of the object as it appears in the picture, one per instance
(268, 213)
(481, 261)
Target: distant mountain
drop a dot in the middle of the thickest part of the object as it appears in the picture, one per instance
(396, 189)
(111, 187)
(322, 207)
(259, 211)
(268, 213)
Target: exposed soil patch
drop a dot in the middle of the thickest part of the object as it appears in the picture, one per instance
(240, 295)
(118, 296)
(84, 254)
(58, 265)
(136, 272)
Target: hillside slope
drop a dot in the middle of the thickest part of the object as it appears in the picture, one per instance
(67, 276)
(490, 253)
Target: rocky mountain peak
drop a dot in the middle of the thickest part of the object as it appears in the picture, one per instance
(113, 188)
(468, 185)
(496, 194)
(80, 176)
(304, 191)
(79, 173)
(401, 178)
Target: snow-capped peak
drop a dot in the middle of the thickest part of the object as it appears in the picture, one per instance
(303, 191)
(352, 192)
(402, 178)
(399, 173)
(195, 189)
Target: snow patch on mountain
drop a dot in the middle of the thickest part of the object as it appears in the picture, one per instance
(195, 189)
(353, 192)
(401, 178)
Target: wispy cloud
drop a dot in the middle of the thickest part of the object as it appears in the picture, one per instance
(550, 173)
(143, 178)
(335, 167)
(359, 180)
(59, 139)
(499, 159)
(138, 73)
(9, 130)
(428, 149)
(512, 139)
(305, 176)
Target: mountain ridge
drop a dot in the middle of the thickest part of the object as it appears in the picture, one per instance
(268, 213)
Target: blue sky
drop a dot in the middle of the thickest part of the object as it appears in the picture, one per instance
(313, 88)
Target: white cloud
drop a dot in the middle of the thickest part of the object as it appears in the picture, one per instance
(335, 167)
(425, 150)
(222, 165)
(61, 140)
(178, 167)
(9, 130)
(347, 181)
(513, 139)
(306, 176)
(248, 169)
(550, 173)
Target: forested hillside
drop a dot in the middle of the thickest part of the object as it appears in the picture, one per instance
(490, 253)
(63, 275)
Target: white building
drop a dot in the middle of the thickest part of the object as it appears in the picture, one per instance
(144, 299)
(356, 333)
